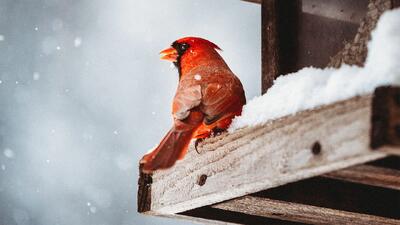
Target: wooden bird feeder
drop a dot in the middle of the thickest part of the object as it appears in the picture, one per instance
(335, 164)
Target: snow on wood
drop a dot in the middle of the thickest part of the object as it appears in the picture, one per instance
(312, 87)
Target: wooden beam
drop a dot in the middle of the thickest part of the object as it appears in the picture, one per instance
(257, 158)
(218, 216)
(370, 175)
(299, 212)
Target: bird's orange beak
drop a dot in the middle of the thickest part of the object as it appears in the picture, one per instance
(169, 54)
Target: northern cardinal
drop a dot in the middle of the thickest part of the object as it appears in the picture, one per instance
(208, 97)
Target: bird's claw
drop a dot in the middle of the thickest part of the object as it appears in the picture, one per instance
(217, 131)
(197, 142)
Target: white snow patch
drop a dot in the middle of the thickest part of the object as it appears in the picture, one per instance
(77, 41)
(312, 87)
(9, 153)
(197, 77)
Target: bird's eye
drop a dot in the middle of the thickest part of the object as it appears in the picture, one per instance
(184, 46)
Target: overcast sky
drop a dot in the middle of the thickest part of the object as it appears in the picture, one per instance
(84, 96)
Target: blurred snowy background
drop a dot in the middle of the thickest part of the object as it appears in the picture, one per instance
(83, 95)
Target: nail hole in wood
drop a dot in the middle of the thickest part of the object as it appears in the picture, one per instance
(202, 180)
(316, 148)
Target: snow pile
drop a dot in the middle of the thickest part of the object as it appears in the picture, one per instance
(311, 87)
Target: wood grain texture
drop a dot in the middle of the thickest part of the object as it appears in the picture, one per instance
(298, 212)
(257, 158)
(279, 21)
(270, 43)
(369, 175)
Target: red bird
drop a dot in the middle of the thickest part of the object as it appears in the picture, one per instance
(208, 97)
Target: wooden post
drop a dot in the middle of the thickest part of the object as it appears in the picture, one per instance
(385, 118)
(270, 44)
(279, 25)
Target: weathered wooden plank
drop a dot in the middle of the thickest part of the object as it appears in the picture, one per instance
(218, 216)
(299, 212)
(370, 175)
(336, 194)
(258, 158)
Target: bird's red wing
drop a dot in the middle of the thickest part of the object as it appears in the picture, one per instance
(221, 99)
(186, 98)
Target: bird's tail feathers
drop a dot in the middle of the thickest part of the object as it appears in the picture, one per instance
(172, 147)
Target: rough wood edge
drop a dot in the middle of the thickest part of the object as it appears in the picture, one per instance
(369, 175)
(299, 212)
(144, 191)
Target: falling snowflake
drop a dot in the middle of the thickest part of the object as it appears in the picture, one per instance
(197, 77)
(36, 76)
(9, 153)
(93, 209)
(77, 42)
